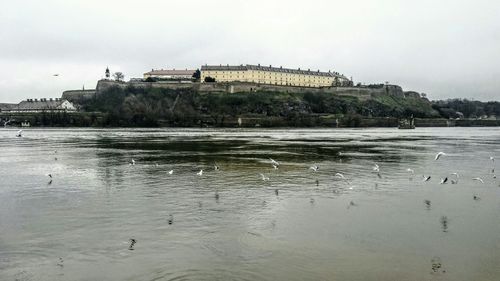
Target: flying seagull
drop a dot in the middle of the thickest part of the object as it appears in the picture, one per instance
(19, 133)
(264, 177)
(439, 155)
(170, 172)
(200, 173)
(478, 179)
(274, 162)
(339, 175)
(492, 159)
(376, 168)
(443, 181)
(426, 178)
(132, 162)
(314, 168)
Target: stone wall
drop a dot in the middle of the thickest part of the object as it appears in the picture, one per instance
(362, 93)
(78, 96)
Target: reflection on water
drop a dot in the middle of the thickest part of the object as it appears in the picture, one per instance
(101, 218)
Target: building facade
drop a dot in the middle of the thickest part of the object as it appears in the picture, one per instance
(272, 75)
(174, 74)
(43, 105)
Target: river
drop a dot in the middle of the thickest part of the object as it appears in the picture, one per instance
(230, 224)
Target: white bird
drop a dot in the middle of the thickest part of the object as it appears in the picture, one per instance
(200, 173)
(439, 155)
(426, 178)
(410, 171)
(443, 181)
(216, 167)
(314, 168)
(275, 167)
(339, 175)
(19, 133)
(132, 162)
(478, 179)
(492, 159)
(274, 162)
(170, 172)
(376, 168)
(264, 177)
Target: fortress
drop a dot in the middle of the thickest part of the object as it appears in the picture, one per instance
(272, 76)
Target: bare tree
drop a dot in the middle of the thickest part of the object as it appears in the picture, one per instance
(118, 76)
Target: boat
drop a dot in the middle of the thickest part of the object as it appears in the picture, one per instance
(406, 123)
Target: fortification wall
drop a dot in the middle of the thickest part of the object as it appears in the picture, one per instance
(77, 96)
(362, 93)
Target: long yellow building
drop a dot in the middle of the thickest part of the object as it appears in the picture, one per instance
(272, 75)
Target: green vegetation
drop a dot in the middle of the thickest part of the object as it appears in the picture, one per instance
(458, 108)
(151, 106)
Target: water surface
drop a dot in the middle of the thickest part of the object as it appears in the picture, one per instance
(232, 225)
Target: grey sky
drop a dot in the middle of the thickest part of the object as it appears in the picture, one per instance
(443, 48)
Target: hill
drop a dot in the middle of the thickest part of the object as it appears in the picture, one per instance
(155, 104)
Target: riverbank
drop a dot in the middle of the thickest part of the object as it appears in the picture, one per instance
(99, 119)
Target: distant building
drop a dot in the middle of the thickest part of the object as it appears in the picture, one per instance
(7, 106)
(43, 105)
(173, 74)
(272, 75)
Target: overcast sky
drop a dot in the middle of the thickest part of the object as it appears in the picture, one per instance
(443, 48)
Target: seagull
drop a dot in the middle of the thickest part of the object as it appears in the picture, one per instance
(478, 179)
(439, 155)
(339, 175)
(475, 197)
(443, 181)
(411, 171)
(376, 168)
(200, 173)
(49, 175)
(427, 203)
(314, 168)
(132, 243)
(19, 133)
(274, 162)
(492, 159)
(264, 178)
(132, 162)
(170, 172)
(275, 167)
(426, 178)
(216, 167)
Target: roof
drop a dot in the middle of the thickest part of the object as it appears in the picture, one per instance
(170, 72)
(6, 106)
(42, 104)
(268, 68)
